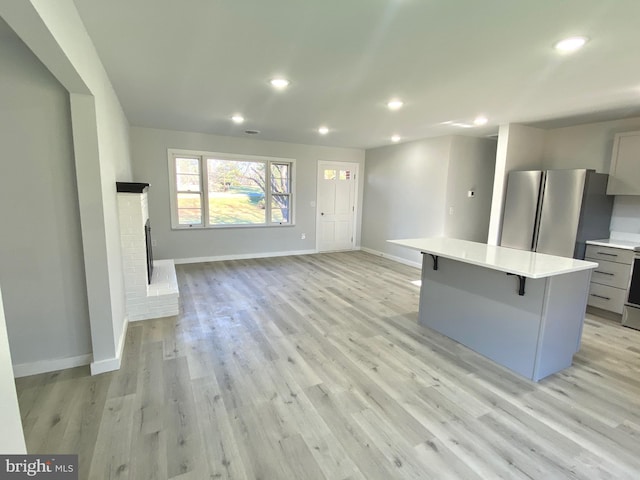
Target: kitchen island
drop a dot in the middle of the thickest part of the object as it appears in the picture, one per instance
(523, 310)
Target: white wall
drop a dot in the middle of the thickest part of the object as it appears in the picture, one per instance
(41, 263)
(56, 35)
(471, 167)
(150, 165)
(12, 438)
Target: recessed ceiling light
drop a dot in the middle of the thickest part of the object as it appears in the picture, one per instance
(395, 104)
(480, 120)
(395, 138)
(237, 118)
(279, 83)
(570, 44)
(323, 130)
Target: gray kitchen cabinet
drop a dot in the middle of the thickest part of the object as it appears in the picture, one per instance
(624, 174)
(609, 282)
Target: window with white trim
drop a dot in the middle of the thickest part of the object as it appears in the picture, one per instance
(225, 190)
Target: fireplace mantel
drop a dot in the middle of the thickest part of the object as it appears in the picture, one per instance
(131, 187)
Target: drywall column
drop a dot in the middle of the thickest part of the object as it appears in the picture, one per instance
(85, 144)
(12, 438)
(499, 186)
(519, 148)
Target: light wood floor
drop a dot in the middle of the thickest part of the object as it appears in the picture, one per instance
(313, 367)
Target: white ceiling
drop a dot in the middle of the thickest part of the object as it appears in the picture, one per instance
(190, 64)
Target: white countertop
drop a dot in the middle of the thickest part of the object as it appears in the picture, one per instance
(614, 243)
(509, 260)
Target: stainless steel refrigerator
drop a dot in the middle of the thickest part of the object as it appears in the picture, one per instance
(556, 211)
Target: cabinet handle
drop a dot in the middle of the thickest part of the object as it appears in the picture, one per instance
(601, 296)
(608, 254)
(603, 273)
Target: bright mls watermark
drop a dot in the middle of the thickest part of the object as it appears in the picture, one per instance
(50, 467)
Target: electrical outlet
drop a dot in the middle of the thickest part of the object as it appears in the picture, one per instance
(451, 210)
(303, 236)
(471, 193)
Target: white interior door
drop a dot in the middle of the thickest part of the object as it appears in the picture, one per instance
(337, 189)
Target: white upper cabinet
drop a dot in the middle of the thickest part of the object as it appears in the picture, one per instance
(624, 176)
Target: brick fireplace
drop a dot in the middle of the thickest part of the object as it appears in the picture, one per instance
(146, 297)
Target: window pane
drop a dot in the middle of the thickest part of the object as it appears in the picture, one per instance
(189, 216)
(280, 178)
(188, 182)
(329, 174)
(187, 165)
(189, 209)
(236, 192)
(280, 209)
(189, 200)
(345, 175)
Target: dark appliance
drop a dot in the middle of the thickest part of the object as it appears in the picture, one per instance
(631, 312)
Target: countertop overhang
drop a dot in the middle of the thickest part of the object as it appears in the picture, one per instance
(508, 260)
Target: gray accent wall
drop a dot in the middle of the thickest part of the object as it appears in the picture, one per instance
(471, 167)
(405, 194)
(41, 254)
(409, 188)
(150, 164)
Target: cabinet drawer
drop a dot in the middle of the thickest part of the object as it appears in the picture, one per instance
(610, 254)
(607, 298)
(612, 274)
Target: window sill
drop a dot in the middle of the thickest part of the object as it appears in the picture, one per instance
(226, 227)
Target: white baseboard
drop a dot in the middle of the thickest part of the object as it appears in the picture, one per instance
(392, 257)
(244, 256)
(55, 364)
(111, 364)
(45, 366)
(107, 365)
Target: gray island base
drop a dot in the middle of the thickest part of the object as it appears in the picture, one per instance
(473, 297)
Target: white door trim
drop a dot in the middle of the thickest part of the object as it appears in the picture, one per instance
(354, 167)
